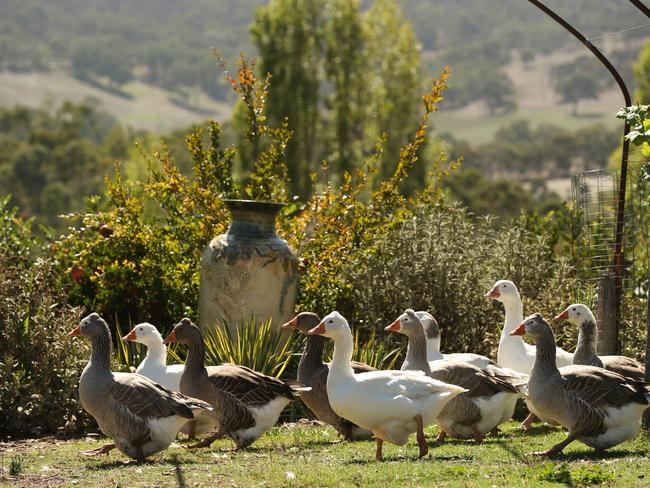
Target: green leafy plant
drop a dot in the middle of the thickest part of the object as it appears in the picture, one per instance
(582, 476)
(16, 465)
(259, 346)
(374, 350)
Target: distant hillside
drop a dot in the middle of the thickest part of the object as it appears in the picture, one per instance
(167, 43)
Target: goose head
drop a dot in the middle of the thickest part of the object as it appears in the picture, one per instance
(504, 291)
(577, 314)
(333, 326)
(90, 326)
(144, 333)
(184, 332)
(533, 326)
(408, 324)
(304, 322)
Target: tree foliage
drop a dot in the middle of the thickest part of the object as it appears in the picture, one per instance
(346, 75)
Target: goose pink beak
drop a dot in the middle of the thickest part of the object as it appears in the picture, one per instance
(75, 332)
(519, 331)
(131, 336)
(394, 327)
(493, 293)
(563, 316)
(319, 329)
(170, 338)
(291, 325)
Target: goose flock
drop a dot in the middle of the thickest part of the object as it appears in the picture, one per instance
(599, 400)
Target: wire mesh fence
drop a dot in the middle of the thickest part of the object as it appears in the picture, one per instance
(595, 202)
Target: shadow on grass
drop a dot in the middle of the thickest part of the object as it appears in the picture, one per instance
(178, 471)
(173, 462)
(538, 429)
(588, 454)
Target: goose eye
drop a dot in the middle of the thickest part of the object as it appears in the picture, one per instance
(141, 329)
(330, 321)
(574, 309)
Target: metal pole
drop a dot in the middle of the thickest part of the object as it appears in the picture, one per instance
(638, 4)
(620, 214)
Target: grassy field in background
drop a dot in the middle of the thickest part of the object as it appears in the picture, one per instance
(148, 107)
(306, 455)
(143, 107)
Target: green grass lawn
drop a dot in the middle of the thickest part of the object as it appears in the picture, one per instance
(307, 455)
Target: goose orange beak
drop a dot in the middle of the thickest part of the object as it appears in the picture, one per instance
(291, 325)
(170, 338)
(563, 316)
(131, 336)
(394, 327)
(493, 293)
(519, 331)
(319, 329)
(75, 332)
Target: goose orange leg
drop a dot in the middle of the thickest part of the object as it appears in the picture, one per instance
(191, 433)
(478, 437)
(528, 422)
(441, 437)
(105, 449)
(422, 442)
(379, 444)
(557, 448)
(207, 440)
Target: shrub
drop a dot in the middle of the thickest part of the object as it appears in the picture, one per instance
(39, 364)
(443, 261)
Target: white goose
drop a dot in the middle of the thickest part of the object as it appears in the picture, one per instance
(391, 404)
(513, 352)
(154, 365)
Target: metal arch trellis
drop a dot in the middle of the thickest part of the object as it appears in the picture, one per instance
(618, 257)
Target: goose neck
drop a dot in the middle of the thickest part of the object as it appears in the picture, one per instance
(100, 356)
(416, 353)
(195, 354)
(587, 339)
(514, 315)
(341, 360)
(312, 356)
(156, 354)
(545, 361)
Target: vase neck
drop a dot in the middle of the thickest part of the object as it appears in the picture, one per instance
(252, 225)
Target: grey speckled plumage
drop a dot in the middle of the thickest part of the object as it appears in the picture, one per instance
(246, 402)
(142, 417)
(464, 409)
(312, 371)
(598, 407)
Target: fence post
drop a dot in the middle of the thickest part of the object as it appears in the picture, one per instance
(646, 414)
(607, 314)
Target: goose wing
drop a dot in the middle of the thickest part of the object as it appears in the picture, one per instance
(248, 386)
(602, 388)
(479, 382)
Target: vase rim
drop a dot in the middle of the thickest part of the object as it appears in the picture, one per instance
(253, 205)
